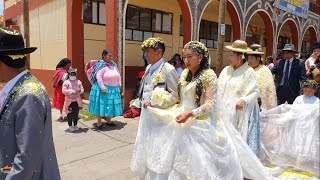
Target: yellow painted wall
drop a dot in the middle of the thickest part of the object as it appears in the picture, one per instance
(48, 32)
(9, 3)
(94, 41)
(133, 53)
(211, 13)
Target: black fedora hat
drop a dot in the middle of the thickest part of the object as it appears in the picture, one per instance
(316, 46)
(12, 43)
(289, 47)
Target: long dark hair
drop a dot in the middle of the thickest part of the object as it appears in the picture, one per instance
(204, 65)
(105, 52)
(63, 63)
(270, 59)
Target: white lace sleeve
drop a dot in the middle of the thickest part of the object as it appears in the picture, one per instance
(209, 96)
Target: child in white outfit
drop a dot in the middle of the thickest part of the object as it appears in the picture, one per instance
(309, 88)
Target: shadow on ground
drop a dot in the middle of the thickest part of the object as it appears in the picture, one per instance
(119, 125)
(81, 130)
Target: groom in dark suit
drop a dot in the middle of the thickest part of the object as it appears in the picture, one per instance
(26, 144)
(289, 74)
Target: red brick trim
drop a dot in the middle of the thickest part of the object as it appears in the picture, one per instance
(268, 23)
(75, 38)
(294, 31)
(235, 20)
(112, 28)
(186, 20)
(313, 38)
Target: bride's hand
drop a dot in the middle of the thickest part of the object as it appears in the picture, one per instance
(240, 104)
(182, 118)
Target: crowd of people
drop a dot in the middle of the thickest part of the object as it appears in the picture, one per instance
(253, 121)
(187, 111)
(201, 126)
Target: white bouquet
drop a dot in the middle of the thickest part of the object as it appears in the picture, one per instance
(159, 96)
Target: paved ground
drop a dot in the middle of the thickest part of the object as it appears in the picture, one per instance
(91, 155)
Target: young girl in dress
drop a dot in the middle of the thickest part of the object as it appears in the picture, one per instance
(72, 88)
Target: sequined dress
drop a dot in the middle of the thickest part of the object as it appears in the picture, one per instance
(205, 147)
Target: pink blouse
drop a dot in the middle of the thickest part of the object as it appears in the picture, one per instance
(109, 76)
(69, 89)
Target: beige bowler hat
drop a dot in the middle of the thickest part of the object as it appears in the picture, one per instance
(239, 46)
(256, 49)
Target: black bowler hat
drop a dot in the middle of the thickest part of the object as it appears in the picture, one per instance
(316, 46)
(12, 43)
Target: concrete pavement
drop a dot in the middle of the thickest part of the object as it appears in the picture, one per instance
(90, 154)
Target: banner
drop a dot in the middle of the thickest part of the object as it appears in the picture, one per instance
(296, 7)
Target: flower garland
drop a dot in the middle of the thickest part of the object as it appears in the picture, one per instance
(310, 83)
(198, 47)
(152, 43)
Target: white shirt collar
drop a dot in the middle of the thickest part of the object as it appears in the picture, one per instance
(290, 60)
(9, 85)
(156, 65)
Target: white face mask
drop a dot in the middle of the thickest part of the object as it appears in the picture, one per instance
(72, 78)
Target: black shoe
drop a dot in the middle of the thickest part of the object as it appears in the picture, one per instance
(112, 124)
(60, 119)
(100, 127)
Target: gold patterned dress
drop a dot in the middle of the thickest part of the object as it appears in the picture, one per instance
(203, 148)
(240, 84)
(267, 88)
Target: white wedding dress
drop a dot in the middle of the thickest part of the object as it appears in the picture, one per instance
(203, 148)
(290, 137)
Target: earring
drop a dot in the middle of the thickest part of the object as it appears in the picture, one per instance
(199, 62)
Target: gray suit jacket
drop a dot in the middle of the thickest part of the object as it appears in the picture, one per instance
(169, 82)
(26, 142)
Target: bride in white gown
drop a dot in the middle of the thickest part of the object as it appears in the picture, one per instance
(188, 140)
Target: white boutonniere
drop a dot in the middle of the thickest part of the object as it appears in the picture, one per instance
(157, 78)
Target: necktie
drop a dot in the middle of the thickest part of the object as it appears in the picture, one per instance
(286, 75)
(2, 98)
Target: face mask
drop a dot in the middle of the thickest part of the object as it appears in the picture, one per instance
(72, 78)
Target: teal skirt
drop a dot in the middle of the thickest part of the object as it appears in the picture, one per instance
(109, 105)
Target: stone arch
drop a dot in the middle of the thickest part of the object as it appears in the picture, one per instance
(294, 30)
(267, 20)
(313, 36)
(234, 16)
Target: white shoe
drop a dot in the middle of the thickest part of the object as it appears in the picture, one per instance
(71, 129)
(76, 128)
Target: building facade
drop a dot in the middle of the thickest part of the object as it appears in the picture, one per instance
(81, 29)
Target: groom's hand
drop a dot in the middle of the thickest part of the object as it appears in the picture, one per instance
(146, 104)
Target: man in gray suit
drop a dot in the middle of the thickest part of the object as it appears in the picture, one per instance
(26, 144)
(159, 73)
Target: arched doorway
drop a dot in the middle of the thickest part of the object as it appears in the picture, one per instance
(288, 33)
(208, 31)
(143, 19)
(260, 31)
(309, 38)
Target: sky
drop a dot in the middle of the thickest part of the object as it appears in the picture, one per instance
(1, 7)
